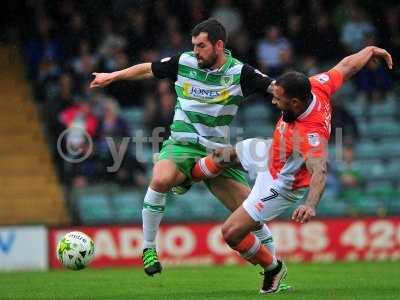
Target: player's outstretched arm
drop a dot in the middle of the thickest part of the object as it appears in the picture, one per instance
(352, 64)
(318, 169)
(136, 72)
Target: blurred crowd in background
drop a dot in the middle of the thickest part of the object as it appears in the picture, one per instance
(65, 41)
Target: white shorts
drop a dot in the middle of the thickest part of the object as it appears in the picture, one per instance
(266, 200)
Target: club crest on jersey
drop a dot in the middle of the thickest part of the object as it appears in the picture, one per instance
(226, 80)
(313, 139)
(322, 78)
(192, 74)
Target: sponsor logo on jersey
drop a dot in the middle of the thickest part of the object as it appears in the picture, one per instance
(212, 96)
(313, 139)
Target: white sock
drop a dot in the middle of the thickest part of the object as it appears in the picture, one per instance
(265, 236)
(152, 214)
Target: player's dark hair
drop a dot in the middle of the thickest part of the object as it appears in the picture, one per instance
(296, 85)
(215, 30)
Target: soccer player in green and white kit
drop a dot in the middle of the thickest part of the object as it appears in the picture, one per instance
(210, 85)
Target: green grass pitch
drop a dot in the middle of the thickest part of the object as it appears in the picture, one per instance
(367, 280)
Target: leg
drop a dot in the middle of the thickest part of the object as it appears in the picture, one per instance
(250, 154)
(229, 191)
(232, 193)
(165, 175)
(264, 203)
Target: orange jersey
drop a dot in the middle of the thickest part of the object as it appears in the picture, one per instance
(307, 136)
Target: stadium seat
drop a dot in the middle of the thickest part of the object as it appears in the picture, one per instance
(389, 148)
(127, 205)
(259, 129)
(357, 109)
(367, 205)
(93, 205)
(177, 208)
(256, 111)
(386, 128)
(366, 149)
(386, 109)
(133, 115)
(380, 188)
(371, 169)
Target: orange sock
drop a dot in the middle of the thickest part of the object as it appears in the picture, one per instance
(254, 252)
(205, 168)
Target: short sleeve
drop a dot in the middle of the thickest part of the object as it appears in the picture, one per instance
(166, 68)
(252, 81)
(327, 83)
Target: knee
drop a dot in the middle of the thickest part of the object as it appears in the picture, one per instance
(165, 176)
(231, 234)
(161, 183)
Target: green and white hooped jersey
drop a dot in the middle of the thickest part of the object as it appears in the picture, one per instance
(207, 100)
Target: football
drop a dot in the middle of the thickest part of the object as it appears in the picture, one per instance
(75, 250)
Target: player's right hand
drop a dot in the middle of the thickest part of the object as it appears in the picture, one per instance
(101, 79)
(303, 213)
(379, 52)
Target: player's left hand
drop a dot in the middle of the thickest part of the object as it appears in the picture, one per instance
(303, 213)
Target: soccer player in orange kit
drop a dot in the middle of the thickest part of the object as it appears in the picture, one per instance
(290, 165)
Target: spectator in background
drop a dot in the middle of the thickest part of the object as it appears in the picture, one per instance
(45, 45)
(115, 129)
(80, 175)
(82, 125)
(309, 65)
(228, 15)
(74, 34)
(111, 42)
(79, 116)
(342, 12)
(84, 64)
(159, 114)
(344, 124)
(127, 92)
(63, 98)
(390, 31)
(355, 30)
(374, 81)
(273, 52)
(255, 18)
(350, 176)
(136, 33)
(296, 34)
(197, 12)
(47, 79)
(325, 39)
(241, 46)
(174, 44)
